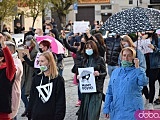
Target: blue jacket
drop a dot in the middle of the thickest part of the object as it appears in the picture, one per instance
(124, 94)
(154, 57)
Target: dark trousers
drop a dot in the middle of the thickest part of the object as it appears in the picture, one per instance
(145, 92)
(24, 97)
(79, 93)
(153, 76)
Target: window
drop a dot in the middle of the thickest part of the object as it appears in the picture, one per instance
(140, 1)
(130, 1)
(154, 1)
(106, 7)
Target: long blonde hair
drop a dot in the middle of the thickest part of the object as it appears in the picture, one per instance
(126, 38)
(53, 72)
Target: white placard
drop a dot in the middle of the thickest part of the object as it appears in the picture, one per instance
(143, 46)
(19, 39)
(36, 62)
(87, 80)
(80, 26)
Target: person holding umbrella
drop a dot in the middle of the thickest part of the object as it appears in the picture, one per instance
(123, 96)
(153, 65)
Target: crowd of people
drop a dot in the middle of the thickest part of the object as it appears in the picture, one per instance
(42, 89)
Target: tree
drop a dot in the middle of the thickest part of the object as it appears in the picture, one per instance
(62, 9)
(35, 8)
(7, 9)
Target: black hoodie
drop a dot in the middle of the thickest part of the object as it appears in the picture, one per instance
(52, 109)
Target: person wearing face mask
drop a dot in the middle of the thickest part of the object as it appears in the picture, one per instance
(28, 71)
(47, 98)
(16, 88)
(123, 96)
(126, 41)
(7, 76)
(50, 28)
(91, 102)
(79, 58)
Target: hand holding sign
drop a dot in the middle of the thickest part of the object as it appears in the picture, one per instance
(87, 79)
(96, 73)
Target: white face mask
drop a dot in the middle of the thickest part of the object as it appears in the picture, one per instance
(28, 43)
(14, 55)
(35, 35)
(126, 45)
(46, 31)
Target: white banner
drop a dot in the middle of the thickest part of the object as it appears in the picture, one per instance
(80, 26)
(143, 46)
(87, 80)
(19, 39)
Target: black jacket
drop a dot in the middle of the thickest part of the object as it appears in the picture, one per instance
(55, 107)
(100, 66)
(5, 92)
(112, 51)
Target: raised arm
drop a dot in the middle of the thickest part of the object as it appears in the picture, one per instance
(10, 67)
(70, 48)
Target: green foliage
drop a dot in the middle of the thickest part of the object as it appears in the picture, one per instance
(7, 8)
(36, 7)
(62, 6)
(62, 9)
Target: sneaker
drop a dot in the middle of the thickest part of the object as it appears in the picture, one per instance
(150, 106)
(157, 101)
(78, 103)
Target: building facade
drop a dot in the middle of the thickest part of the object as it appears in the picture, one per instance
(100, 10)
(23, 19)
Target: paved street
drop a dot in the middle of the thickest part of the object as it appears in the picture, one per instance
(71, 93)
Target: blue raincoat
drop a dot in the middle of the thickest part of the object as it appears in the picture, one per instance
(124, 94)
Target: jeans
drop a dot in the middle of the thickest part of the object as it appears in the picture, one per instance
(24, 97)
(60, 71)
(111, 68)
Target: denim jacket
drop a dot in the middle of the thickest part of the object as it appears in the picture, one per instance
(155, 56)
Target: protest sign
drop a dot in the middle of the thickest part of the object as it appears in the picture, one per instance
(80, 26)
(36, 62)
(87, 80)
(20, 53)
(143, 46)
(18, 38)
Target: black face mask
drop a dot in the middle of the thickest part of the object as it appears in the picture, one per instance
(82, 46)
(149, 35)
(40, 50)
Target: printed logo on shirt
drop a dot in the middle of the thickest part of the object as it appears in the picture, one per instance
(45, 91)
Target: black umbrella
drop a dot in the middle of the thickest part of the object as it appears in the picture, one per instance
(133, 20)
